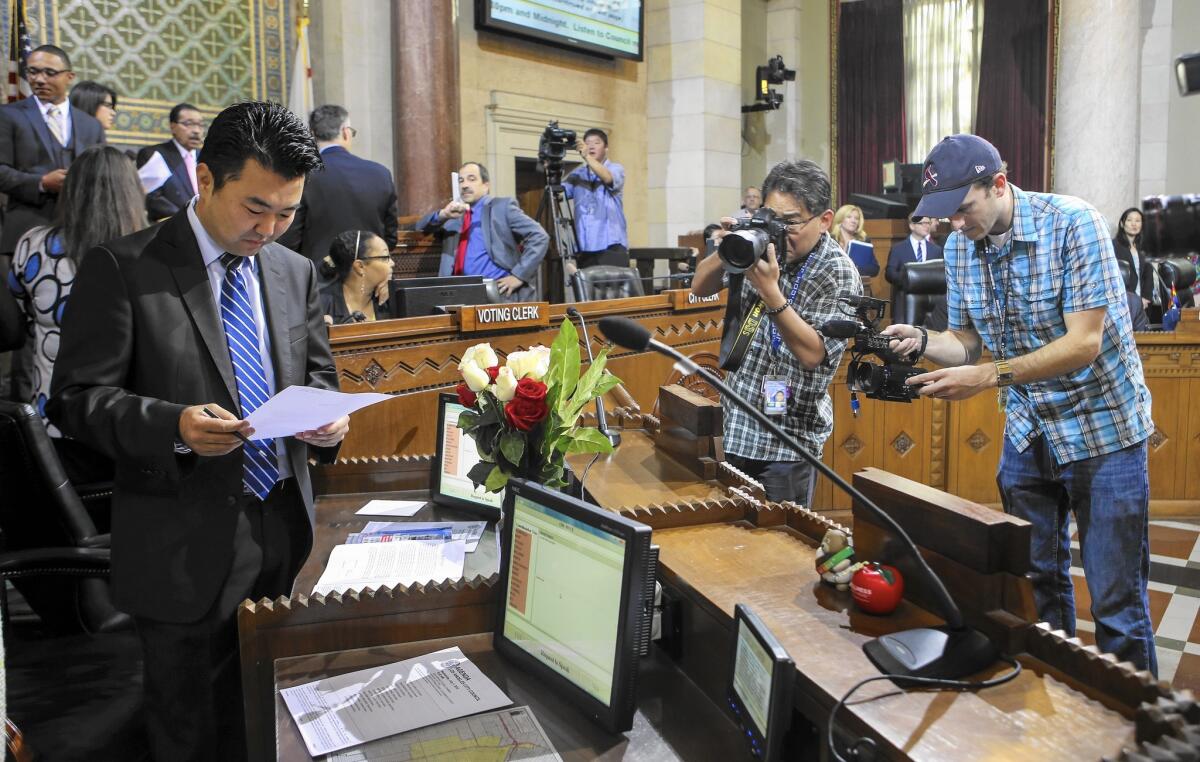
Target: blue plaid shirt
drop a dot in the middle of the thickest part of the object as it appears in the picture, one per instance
(1059, 259)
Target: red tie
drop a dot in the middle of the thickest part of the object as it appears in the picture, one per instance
(464, 235)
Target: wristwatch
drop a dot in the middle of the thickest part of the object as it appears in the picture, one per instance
(1004, 373)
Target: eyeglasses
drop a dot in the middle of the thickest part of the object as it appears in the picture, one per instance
(34, 71)
(353, 132)
(795, 226)
(192, 124)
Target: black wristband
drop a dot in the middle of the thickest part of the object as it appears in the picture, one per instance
(779, 309)
(924, 341)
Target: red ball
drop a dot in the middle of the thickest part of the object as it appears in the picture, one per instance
(877, 588)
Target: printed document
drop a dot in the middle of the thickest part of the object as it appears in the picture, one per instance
(386, 564)
(404, 508)
(303, 408)
(467, 531)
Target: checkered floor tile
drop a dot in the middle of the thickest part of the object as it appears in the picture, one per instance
(1174, 599)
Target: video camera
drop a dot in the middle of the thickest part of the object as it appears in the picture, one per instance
(552, 148)
(877, 381)
(747, 241)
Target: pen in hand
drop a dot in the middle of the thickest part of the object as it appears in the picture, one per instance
(237, 434)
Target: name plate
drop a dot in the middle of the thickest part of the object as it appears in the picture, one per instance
(502, 317)
(684, 299)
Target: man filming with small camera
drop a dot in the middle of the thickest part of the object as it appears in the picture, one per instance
(596, 189)
(777, 359)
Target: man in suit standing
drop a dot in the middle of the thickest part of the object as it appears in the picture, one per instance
(917, 247)
(39, 138)
(501, 242)
(202, 313)
(179, 154)
(351, 193)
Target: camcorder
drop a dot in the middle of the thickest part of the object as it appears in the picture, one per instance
(552, 149)
(877, 381)
(747, 240)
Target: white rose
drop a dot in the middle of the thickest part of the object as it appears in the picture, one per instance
(506, 384)
(481, 355)
(534, 363)
(476, 377)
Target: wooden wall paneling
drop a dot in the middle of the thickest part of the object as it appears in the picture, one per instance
(902, 438)
(1166, 369)
(1191, 484)
(975, 441)
(854, 443)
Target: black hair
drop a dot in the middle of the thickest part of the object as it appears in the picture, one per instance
(710, 229)
(347, 247)
(101, 200)
(1137, 239)
(267, 133)
(803, 180)
(55, 51)
(483, 173)
(327, 121)
(89, 96)
(178, 110)
(598, 133)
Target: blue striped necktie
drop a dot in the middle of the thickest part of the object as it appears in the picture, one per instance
(260, 467)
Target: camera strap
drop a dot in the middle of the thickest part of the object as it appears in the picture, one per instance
(738, 330)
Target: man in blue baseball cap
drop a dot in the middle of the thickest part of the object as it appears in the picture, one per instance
(1032, 278)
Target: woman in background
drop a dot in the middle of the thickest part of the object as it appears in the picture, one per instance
(360, 266)
(848, 227)
(1127, 244)
(95, 99)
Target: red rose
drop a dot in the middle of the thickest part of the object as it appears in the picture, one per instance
(528, 405)
(466, 397)
(493, 372)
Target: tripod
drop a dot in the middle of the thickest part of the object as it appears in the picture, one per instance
(554, 214)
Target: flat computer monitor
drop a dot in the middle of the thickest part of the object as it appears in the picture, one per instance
(578, 586)
(760, 685)
(456, 455)
(416, 297)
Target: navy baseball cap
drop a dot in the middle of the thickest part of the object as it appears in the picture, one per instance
(950, 169)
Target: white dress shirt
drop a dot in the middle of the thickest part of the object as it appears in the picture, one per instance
(64, 108)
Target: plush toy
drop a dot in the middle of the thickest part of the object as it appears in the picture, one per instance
(835, 561)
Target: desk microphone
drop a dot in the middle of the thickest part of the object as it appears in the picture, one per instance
(601, 421)
(951, 651)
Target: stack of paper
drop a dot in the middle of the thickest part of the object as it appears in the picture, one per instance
(387, 564)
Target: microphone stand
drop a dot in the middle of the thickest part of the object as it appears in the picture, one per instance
(952, 651)
(614, 437)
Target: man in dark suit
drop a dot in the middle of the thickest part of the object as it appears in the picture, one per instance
(502, 243)
(351, 193)
(202, 313)
(39, 138)
(915, 248)
(179, 155)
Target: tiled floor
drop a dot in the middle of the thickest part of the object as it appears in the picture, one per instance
(1174, 600)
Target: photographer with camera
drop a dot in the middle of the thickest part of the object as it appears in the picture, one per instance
(782, 363)
(1032, 277)
(596, 190)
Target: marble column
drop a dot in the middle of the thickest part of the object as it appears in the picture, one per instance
(426, 116)
(693, 53)
(1096, 131)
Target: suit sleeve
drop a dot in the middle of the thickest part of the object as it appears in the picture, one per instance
(22, 186)
(391, 213)
(158, 206)
(431, 224)
(88, 400)
(896, 260)
(143, 155)
(534, 242)
(320, 372)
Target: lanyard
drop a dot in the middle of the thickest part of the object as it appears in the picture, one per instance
(1000, 297)
(776, 339)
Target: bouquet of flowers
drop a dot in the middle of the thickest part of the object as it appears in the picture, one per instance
(524, 415)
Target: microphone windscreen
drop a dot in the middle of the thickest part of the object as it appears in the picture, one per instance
(572, 312)
(625, 333)
(840, 329)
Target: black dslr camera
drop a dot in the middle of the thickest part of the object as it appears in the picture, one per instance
(553, 147)
(877, 381)
(747, 241)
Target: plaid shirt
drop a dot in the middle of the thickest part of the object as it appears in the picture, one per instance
(809, 416)
(1058, 260)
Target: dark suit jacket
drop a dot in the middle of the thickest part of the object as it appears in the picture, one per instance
(142, 340)
(350, 193)
(27, 151)
(514, 240)
(902, 253)
(1145, 287)
(173, 195)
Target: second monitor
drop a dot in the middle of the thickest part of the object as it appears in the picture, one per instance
(417, 297)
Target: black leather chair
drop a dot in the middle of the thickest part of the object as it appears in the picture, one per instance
(923, 289)
(40, 509)
(1128, 277)
(1180, 273)
(606, 282)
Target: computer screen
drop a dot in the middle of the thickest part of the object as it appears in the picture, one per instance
(612, 28)
(416, 297)
(456, 455)
(760, 684)
(578, 598)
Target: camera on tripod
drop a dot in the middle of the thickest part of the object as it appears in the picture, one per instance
(747, 241)
(877, 381)
(552, 149)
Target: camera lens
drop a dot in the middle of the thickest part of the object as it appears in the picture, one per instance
(741, 249)
(866, 377)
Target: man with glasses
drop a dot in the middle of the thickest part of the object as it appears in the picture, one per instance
(917, 247)
(351, 193)
(176, 165)
(786, 354)
(39, 138)
(1032, 278)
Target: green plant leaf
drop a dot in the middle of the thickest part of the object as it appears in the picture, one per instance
(564, 364)
(467, 420)
(496, 480)
(480, 472)
(588, 440)
(512, 445)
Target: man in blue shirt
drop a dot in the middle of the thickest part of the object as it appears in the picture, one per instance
(1033, 278)
(599, 215)
(489, 236)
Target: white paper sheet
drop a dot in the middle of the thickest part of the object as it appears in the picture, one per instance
(512, 733)
(455, 190)
(391, 508)
(467, 531)
(386, 564)
(361, 706)
(303, 408)
(154, 173)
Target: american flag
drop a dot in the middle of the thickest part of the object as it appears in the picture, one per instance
(19, 48)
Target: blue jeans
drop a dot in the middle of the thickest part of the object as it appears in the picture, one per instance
(1110, 497)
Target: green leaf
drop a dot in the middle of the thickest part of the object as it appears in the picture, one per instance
(512, 445)
(496, 480)
(564, 364)
(467, 420)
(480, 472)
(588, 440)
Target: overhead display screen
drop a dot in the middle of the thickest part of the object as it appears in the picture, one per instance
(608, 27)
